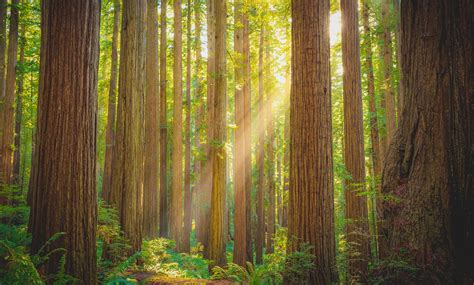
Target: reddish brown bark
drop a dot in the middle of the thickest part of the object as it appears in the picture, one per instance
(127, 169)
(150, 184)
(187, 153)
(3, 44)
(17, 177)
(357, 230)
(6, 165)
(164, 229)
(112, 106)
(311, 201)
(176, 215)
(63, 183)
(270, 156)
(429, 167)
(217, 229)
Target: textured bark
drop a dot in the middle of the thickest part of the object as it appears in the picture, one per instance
(17, 177)
(217, 229)
(429, 166)
(150, 184)
(286, 164)
(112, 106)
(260, 157)
(248, 126)
(357, 229)
(6, 165)
(164, 231)
(206, 180)
(127, 171)
(388, 100)
(311, 201)
(240, 215)
(176, 217)
(187, 154)
(374, 129)
(3, 44)
(63, 183)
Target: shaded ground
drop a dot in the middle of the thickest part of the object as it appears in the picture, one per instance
(152, 278)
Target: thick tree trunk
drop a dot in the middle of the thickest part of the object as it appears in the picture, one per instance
(429, 168)
(164, 231)
(311, 201)
(260, 157)
(240, 216)
(206, 179)
(64, 171)
(388, 100)
(374, 129)
(396, 9)
(176, 217)
(6, 165)
(357, 230)
(217, 229)
(187, 154)
(127, 171)
(112, 106)
(150, 184)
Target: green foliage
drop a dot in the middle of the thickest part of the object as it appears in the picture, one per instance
(397, 269)
(299, 264)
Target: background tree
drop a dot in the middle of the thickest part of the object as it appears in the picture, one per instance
(64, 178)
(150, 185)
(217, 229)
(311, 174)
(163, 126)
(112, 106)
(429, 167)
(6, 166)
(127, 171)
(357, 232)
(3, 45)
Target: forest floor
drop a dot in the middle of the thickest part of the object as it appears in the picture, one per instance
(153, 278)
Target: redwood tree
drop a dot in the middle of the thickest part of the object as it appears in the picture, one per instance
(217, 229)
(150, 184)
(127, 171)
(6, 165)
(430, 164)
(357, 233)
(112, 106)
(63, 184)
(311, 201)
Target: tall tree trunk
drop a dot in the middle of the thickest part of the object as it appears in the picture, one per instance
(240, 216)
(150, 184)
(286, 174)
(260, 157)
(217, 229)
(396, 8)
(388, 100)
(112, 106)
(374, 129)
(164, 218)
(206, 180)
(311, 168)
(6, 165)
(64, 178)
(357, 229)
(127, 171)
(17, 178)
(176, 218)
(270, 169)
(247, 125)
(3, 45)
(199, 191)
(187, 155)
(430, 165)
